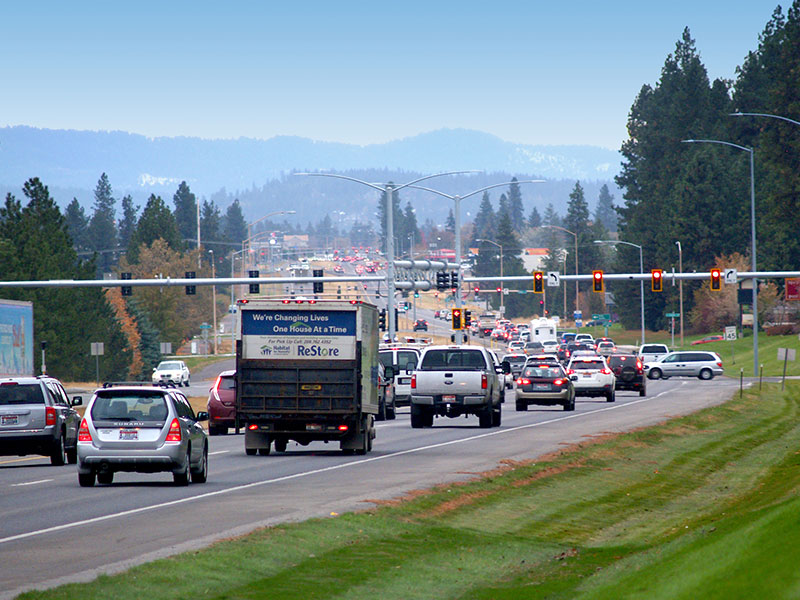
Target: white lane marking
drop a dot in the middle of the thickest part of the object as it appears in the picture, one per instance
(30, 483)
(255, 484)
(218, 452)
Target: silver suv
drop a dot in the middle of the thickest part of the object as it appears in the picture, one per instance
(144, 430)
(37, 417)
(704, 365)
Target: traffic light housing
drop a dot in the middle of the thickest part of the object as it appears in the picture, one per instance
(416, 293)
(442, 280)
(597, 281)
(318, 286)
(476, 290)
(190, 289)
(382, 319)
(467, 318)
(454, 279)
(456, 319)
(657, 280)
(254, 287)
(538, 282)
(716, 280)
(126, 290)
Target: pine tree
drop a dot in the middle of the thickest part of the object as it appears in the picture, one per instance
(77, 225)
(234, 226)
(484, 224)
(551, 217)
(605, 213)
(102, 230)
(411, 230)
(186, 213)
(503, 207)
(515, 207)
(535, 219)
(210, 224)
(156, 222)
(450, 224)
(128, 222)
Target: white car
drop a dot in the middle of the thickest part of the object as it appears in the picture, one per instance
(592, 377)
(549, 346)
(584, 337)
(171, 371)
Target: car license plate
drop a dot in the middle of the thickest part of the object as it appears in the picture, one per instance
(8, 420)
(448, 398)
(587, 375)
(128, 435)
(313, 427)
(541, 386)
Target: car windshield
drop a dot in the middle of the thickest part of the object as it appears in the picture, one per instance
(513, 358)
(453, 359)
(587, 365)
(543, 372)
(13, 393)
(621, 361)
(131, 406)
(168, 366)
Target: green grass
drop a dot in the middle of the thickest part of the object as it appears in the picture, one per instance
(704, 506)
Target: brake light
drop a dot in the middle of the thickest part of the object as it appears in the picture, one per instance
(571, 372)
(567, 353)
(484, 381)
(342, 427)
(285, 301)
(174, 434)
(252, 427)
(719, 364)
(216, 383)
(413, 382)
(49, 415)
(522, 381)
(558, 382)
(605, 371)
(84, 435)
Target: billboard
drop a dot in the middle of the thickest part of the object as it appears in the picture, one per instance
(299, 334)
(16, 338)
(792, 288)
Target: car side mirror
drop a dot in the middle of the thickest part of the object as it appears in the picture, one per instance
(573, 378)
(76, 401)
(389, 372)
(202, 416)
(506, 366)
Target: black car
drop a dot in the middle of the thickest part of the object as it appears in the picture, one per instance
(565, 351)
(629, 372)
(420, 325)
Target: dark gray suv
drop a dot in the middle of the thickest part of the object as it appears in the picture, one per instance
(37, 417)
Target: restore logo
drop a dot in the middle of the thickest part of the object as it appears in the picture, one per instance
(316, 351)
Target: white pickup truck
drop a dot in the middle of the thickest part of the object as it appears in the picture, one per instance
(451, 381)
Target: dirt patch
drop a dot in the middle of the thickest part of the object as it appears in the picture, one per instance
(548, 472)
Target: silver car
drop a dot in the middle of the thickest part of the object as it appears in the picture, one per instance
(704, 365)
(143, 430)
(37, 417)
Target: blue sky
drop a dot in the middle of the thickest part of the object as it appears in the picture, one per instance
(357, 72)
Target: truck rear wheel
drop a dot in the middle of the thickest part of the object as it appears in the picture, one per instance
(416, 417)
(485, 418)
(497, 416)
(280, 445)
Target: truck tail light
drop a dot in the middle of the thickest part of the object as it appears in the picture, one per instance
(49, 415)
(639, 366)
(484, 381)
(252, 427)
(174, 434)
(413, 382)
(84, 435)
(342, 428)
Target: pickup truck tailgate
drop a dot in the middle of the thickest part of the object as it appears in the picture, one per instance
(433, 383)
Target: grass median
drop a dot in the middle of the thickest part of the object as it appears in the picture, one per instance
(705, 505)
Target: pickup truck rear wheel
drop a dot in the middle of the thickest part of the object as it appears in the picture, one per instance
(497, 417)
(522, 406)
(416, 417)
(428, 417)
(485, 417)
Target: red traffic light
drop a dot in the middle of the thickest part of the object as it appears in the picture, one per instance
(597, 281)
(657, 280)
(716, 280)
(538, 282)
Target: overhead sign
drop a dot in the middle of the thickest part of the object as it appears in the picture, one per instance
(672, 315)
(730, 333)
(730, 276)
(553, 279)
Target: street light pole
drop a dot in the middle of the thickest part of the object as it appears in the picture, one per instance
(752, 235)
(576, 263)
(267, 216)
(680, 286)
(214, 298)
(641, 271)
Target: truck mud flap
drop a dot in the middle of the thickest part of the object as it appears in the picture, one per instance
(360, 441)
(256, 440)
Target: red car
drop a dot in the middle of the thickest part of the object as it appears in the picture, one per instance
(222, 404)
(707, 339)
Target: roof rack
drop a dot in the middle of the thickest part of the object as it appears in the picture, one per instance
(161, 384)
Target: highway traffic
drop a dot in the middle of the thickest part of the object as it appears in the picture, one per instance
(54, 531)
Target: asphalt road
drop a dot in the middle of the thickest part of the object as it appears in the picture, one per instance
(52, 531)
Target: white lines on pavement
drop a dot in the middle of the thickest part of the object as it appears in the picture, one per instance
(255, 484)
(218, 452)
(30, 483)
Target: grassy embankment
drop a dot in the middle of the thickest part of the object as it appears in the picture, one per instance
(704, 506)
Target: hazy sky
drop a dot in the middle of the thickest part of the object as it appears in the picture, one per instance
(358, 72)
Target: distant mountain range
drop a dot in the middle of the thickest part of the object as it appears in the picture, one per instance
(72, 161)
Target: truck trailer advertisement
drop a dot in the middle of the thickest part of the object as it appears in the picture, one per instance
(299, 334)
(16, 338)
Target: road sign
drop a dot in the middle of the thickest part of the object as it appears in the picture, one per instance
(166, 347)
(730, 333)
(505, 291)
(730, 276)
(786, 354)
(97, 349)
(577, 315)
(553, 279)
(205, 326)
(672, 315)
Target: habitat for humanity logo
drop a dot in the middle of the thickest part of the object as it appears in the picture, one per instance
(266, 350)
(300, 326)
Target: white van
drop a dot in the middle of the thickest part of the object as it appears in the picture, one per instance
(543, 330)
